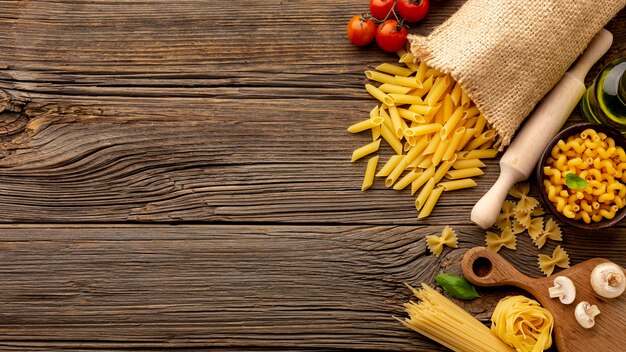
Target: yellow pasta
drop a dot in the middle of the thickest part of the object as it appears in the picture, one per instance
(503, 220)
(458, 184)
(464, 164)
(523, 324)
(540, 235)
(393, 69)
(436, 243)
(439, 319)
(365, 150)
(430, 123)
(429, 205)
(463, 173)
(368, 179)
(389, 165)
(421, 180)
(506, 239)
(595, 158)
(366, 124)
(393, 88)
(548, 263)
(520, 191)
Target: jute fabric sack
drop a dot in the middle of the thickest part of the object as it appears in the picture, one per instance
(507, 54)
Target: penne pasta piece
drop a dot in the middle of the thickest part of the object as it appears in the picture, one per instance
(426, 86)
(392, 88)
(454, 143)
(465, 99)
(374, 112)
(401, 53)
(426, 162)
(414, 164)
(396, 121)
(366, 124)
(421, 72)
(380, 77)
(393, 69)
(470, 123)
(469, 134)
(424, 193)
(457, 184)
(432, 145)
(480, 140)
(365, 150)
(379, 94)
(450, 125)
(419, 147)
(410, 81)
(401, 99)
(407, 179)
(412, 66)
(411, 116)
(368, 179)
(444, 167)
(396, 172)
(437, 91)
(441, 149)
(434, 72)
(430, 202)
(448, 107)
(421, 180)
(464, 164)
(470, 113)
(407, 146)
(387, 119)
(480, 154)
(375, 132)
(407, 57)
(389, 165)
(456, 94)
(422, 130)
(421, 109)
(391, 139)
(464, 173)
(480, 125)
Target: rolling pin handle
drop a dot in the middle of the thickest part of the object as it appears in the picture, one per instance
(486, 210)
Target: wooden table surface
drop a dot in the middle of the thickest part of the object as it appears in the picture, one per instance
(176, 174)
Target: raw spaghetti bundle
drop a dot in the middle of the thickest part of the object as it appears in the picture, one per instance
(508, 54)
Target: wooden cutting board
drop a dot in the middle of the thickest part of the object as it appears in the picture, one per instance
(483, 267)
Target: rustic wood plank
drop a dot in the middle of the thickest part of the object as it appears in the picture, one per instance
(242, 287)
(160, 119)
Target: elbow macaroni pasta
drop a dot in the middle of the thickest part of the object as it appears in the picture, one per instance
(594, 157)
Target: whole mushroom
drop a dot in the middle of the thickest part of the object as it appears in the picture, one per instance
(608, 280)
(585, 314)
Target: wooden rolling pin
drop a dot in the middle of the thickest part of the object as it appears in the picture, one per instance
(520, 159)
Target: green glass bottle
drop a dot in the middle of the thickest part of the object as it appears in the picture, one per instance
(604, 101)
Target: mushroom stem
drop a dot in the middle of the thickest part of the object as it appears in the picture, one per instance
(614, 279)
(592, 311)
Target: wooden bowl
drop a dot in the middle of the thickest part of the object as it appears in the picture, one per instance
(564, 134)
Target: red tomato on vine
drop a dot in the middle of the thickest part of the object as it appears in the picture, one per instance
(391, 36)
(361, 30)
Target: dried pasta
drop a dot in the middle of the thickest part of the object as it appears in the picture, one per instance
(551, 231)
(503, 220)
(559, 258)
(448, 238)
(431, 124)
(520, 191)
(506, 239)
(368, 179)
(439, 319)
(594, 157)
(523, 324)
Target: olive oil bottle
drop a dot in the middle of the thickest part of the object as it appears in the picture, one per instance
(604, 101)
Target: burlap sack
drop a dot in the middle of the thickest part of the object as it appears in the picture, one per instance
(508, 54)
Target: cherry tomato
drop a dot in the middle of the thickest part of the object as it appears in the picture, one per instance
(361, 30)
(413, 10)
(380, 8)
(391, 36)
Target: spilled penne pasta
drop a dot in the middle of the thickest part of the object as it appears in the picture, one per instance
(437, 133)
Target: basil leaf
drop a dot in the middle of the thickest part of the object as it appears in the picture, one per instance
(574, 181)
(457, 286)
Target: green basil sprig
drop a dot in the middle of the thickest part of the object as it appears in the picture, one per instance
(574, 181)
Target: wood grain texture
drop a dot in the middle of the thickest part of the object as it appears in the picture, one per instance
(120, 118)
(148, 286)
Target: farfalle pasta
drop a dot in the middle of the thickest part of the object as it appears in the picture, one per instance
(551, 231)
(559, 258)
(447, 238)
(506, 239)
(504, 218)
(520, 191)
